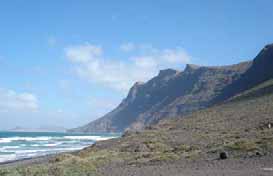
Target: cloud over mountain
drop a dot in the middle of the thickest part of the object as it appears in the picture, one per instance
(120, 74)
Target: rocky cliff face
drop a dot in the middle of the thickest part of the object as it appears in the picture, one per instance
(173, 93)
(260, 71)
(190, 90)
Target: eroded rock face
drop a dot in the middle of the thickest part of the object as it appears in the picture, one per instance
(172, 93)
(260, 71)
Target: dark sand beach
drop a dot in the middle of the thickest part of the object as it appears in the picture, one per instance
(255, 166)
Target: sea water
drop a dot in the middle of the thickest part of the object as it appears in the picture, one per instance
(22, 145)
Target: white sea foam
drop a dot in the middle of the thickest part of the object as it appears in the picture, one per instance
(5, 140)
(9, 147)
(11, 139)
(28, 151)
(10, 157)
(35, 145)
(12, 147)
(47, 138)
(20, 147)
(52, 144)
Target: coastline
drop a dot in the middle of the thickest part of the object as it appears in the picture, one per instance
(44, 145)
(236, 167)
(35, 160)
(27, 161)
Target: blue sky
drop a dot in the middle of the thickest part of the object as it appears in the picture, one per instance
(67, 62)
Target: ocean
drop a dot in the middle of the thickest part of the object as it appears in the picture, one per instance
(22, 145)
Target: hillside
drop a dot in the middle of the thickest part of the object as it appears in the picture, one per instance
(167, 95)
(182, 146)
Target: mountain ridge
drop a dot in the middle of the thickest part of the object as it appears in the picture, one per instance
(175, 93)
(144, 99)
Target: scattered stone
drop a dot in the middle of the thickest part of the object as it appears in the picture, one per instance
(258, 153)
(223, 155)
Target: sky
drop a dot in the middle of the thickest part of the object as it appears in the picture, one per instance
(67, 62)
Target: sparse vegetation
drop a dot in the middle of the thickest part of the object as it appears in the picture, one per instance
(243, 146)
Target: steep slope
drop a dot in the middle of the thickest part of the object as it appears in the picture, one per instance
(260, 71)
(191, 90)
(169, 94)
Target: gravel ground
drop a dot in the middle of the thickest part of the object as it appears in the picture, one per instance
(260, 166)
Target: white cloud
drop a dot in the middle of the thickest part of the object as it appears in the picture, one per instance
(118, 74)
(12, 101)
(83, 53)
(127, 47)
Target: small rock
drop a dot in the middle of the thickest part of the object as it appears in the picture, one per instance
(223, 155)
(258, 153)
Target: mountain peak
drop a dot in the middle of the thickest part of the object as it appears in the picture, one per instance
(264, 58)
(138, 83)
(191, 67)
(167, 72)
(260, 70)
(269, 46)
(268, 49)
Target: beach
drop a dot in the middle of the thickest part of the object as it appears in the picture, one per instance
(17, 146)
(248, 166)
